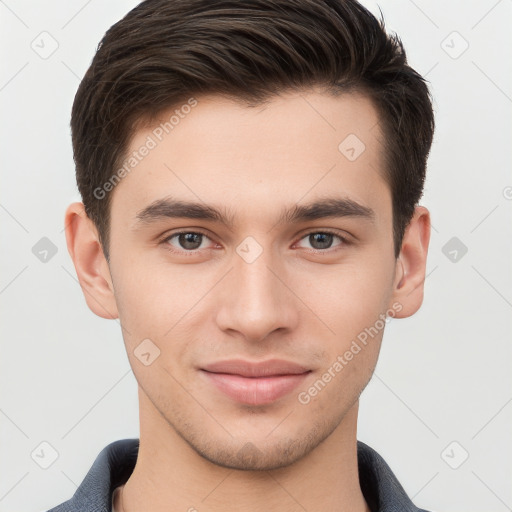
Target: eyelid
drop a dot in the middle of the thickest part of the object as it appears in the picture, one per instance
(168, 236)
(344, 239)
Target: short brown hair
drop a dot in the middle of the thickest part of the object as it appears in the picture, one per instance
(165, 51)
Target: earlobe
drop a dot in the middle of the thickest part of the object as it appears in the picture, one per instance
(90, 264)
(411, 264)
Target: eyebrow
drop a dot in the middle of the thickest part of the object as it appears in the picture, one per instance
(324, 208)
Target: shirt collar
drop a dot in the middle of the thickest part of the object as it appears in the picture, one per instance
(115, 463)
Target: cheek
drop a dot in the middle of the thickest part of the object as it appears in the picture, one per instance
(165, 305)
(152, 296)
(335, 388)
(348, 298)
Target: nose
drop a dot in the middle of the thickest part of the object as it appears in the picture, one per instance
(256, 299)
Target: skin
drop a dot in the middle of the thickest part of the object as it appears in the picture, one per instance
(199, 449)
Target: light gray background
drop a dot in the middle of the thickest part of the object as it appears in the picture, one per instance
(443, 375)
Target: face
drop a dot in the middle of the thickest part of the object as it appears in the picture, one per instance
(252, 303)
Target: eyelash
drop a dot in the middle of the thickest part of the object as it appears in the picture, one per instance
(193, 252)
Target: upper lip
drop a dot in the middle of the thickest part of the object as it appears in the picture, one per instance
(271, 367)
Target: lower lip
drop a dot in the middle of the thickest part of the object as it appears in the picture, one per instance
(255, 390)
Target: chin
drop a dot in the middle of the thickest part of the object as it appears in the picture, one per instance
(262, 454)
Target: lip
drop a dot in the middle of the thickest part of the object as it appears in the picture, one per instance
(255, 383)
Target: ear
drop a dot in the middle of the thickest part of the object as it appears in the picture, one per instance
(90, 263)
(411, 264)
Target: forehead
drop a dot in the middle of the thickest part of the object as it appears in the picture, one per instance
(246, 160)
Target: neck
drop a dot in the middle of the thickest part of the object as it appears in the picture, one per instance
(170, 475)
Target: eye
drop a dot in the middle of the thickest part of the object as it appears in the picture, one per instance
(322, 240)
(192, 241)
(186, 241)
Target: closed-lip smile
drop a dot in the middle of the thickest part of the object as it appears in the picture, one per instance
(255, 383)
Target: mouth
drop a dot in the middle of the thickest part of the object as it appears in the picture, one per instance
(255, 383)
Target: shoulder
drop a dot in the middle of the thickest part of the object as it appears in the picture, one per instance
(381, 488)
(112, 467)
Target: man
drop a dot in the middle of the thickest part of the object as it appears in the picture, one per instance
(250, 174)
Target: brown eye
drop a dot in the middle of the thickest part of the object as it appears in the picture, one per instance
(186, 241)
(190, 240)
(323, 240)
